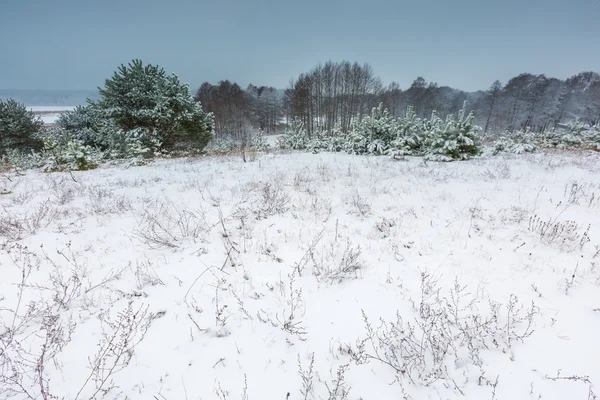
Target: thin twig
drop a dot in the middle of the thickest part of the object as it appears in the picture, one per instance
(195, 323)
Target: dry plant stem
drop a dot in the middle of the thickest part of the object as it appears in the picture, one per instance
(226, 236)
(128, 331)
(307, 389)
(299, 267)
(290, 323)
(193, 283)
(576, 378)
(21, 363)
(421, 350)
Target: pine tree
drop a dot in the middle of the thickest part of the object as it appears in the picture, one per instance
(295, 137)
(85, 124)
(18, 127)
(372, 134)
(144, 97)
(410, 136)
(452, 139)
(259, 141)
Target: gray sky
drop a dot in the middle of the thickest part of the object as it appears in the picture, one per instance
(467, 44)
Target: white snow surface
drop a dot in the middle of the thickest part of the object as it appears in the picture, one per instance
(49, 118)
(38, 109)
(50, 114)
(220, 289)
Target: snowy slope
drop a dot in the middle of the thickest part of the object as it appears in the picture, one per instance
(249, 269)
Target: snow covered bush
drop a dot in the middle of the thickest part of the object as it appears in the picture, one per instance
(20, 160)
(516, 143)
(593, 137)
(222, 146)
(373, 133)
(333, 141)
(72, 155)
(410, 137)
(60, 151)
(294, 137)
(259, 141)
(381, 134)
(135, 144)
(510, 145)
(317, 143)
(86, 125)
(573, 136)
(83, 123)
(18, 127)
(64, 152)
(452, 139)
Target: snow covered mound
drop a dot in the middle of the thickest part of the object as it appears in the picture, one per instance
(301, 276)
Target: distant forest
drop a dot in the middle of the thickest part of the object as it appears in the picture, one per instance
(330, 95)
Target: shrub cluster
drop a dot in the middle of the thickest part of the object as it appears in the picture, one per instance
(142, 112)
(452, 138)
(526, 141)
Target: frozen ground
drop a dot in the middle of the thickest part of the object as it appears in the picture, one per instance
(213, 278)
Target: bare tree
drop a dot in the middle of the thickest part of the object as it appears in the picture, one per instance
(493, 93)
(332, 94)
(230, 105)
(265, 108)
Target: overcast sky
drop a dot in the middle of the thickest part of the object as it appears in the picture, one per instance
(467, 44)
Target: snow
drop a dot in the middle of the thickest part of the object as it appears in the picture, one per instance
(272, 140)
(219, 289)
(50, 114)
(50, 118)
(46, 109)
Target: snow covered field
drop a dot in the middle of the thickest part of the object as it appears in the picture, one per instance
(48, 109)
(300, 276)
(50, 114)
(50, 118)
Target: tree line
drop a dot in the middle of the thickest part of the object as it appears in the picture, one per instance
(331, 94)
(237, 111)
